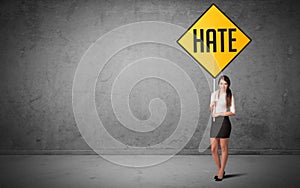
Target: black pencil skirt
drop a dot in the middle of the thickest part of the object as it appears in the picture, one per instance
(221, 127)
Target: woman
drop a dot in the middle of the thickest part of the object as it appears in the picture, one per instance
(221, 106)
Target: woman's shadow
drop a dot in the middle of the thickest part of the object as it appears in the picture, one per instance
(234, 175)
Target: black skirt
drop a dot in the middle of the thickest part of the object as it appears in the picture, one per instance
(221, 127)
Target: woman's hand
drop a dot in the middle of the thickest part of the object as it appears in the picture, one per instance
(218, 114)
(222, 114)
(214, 115)
(211, 108)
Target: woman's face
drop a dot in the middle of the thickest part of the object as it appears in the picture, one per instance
(223, 85)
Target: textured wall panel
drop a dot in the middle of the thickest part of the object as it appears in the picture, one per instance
(42, 43)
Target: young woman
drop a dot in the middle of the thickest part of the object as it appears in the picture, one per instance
(221, 106)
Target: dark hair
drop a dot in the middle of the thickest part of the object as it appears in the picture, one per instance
(228, 91)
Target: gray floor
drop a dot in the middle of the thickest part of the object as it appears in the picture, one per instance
(180, 171)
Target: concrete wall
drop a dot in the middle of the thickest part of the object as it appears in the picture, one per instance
(42, 43)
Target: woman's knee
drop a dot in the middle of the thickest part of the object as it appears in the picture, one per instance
(224, 148)
(224, 145)
(214, 148)
(214, 143)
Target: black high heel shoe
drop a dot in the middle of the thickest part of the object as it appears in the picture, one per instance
(216, 177)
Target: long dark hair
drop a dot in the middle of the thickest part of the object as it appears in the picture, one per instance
(228, 91)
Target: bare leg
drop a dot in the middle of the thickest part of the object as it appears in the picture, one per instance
(214, 142)
(224, 149)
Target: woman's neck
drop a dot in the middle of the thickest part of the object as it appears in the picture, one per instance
(221, 91)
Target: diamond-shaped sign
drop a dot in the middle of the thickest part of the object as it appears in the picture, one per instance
(214, 40)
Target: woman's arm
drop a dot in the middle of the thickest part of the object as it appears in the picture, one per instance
(223, 114)
(212, 106)
(212, 102)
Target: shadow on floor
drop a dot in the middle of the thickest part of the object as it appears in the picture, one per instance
(233, 175)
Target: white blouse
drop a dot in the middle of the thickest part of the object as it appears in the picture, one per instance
(221, 102)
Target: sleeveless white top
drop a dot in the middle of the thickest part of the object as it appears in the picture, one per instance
(221, 102)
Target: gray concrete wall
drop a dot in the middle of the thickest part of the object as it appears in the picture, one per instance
(42, 43)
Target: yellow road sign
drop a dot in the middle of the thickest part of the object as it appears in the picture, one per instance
(214, 40)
